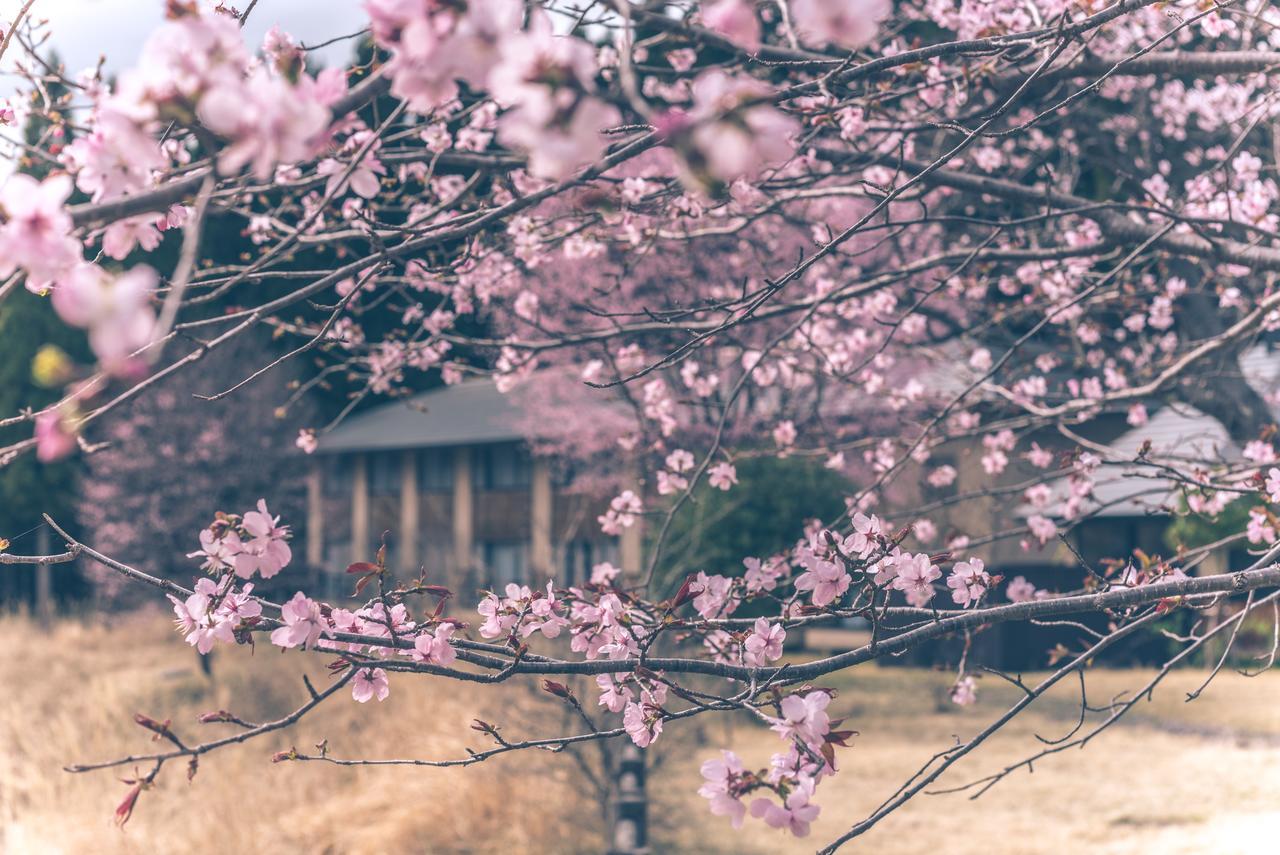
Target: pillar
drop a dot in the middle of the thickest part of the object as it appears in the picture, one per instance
(541, 559)
(315, 517)
(409, 511)
(360, 509)
(463, 515)
(631, 541)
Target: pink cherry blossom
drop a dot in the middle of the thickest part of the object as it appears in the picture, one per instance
(1259, 528)
(762, 575)
(723, 476)
(735, 20)
(733, 134)
(218, 553)
(55, 435)
(267, 121)
(266, 552)
(827, 579)
(115, 310)
(36, 233)
(307, 441)
(846, 23)
(1273, 485)
(1019, 590)
(795, 814)
(965, 691)
(622, 513)
(604, 574)
(642, 723)
(370, 683)
(302, 621)
(1042, 528)
(213, 612)
(713, 595)
(968, 582)
(435, 647)
(544, 615)
(720, 779)
(804, 718)
(614, 694)
(915, 578)
(119, 238)
(764, 644)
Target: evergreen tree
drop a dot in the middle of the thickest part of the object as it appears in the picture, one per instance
(27, 487)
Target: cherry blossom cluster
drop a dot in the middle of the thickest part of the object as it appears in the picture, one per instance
(944, 251)
(792, 776)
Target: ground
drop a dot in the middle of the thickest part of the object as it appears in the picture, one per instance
(1180, 777)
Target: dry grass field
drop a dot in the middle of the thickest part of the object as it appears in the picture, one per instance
(1179, 778)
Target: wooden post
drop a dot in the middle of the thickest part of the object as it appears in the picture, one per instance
(315, 518)
(44, 578)
(540, 509)
(630, 810)
(409, 511)
(360, 509)
(1214, 563)
(463, 516)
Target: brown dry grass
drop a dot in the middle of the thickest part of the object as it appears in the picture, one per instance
(1200, 777)
(1181, 778)
(71, 695)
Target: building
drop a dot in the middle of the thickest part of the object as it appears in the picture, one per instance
(449, 475)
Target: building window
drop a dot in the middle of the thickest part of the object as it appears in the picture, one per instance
(384, 473)
(503, 467)
(502, 562)
(337, 475)
(337, 555)
(435, 470)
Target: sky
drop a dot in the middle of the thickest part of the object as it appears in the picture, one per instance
(84, 29)
(81, 31)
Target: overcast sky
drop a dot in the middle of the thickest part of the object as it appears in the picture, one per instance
(83, 30)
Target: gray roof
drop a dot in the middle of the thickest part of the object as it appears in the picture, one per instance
(1178, 435)
(470, 413)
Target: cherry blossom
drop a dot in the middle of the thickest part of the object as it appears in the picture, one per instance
(266, 552)
(915, 577)
(712, 598)
(827, 579)
(302, 623)
(795, 814)
(1019, 590)
(642, 722)
(36, 235)
(965, 691)
(735, 20)
(847, 23)
(720, 787)
(764, 644)
(370, 683)
(804, 718)
(1272, 485)
(968, 581)
(723, 476)
(116, 310)
(55, 435)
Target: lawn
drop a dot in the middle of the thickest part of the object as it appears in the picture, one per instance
(1198, 777)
